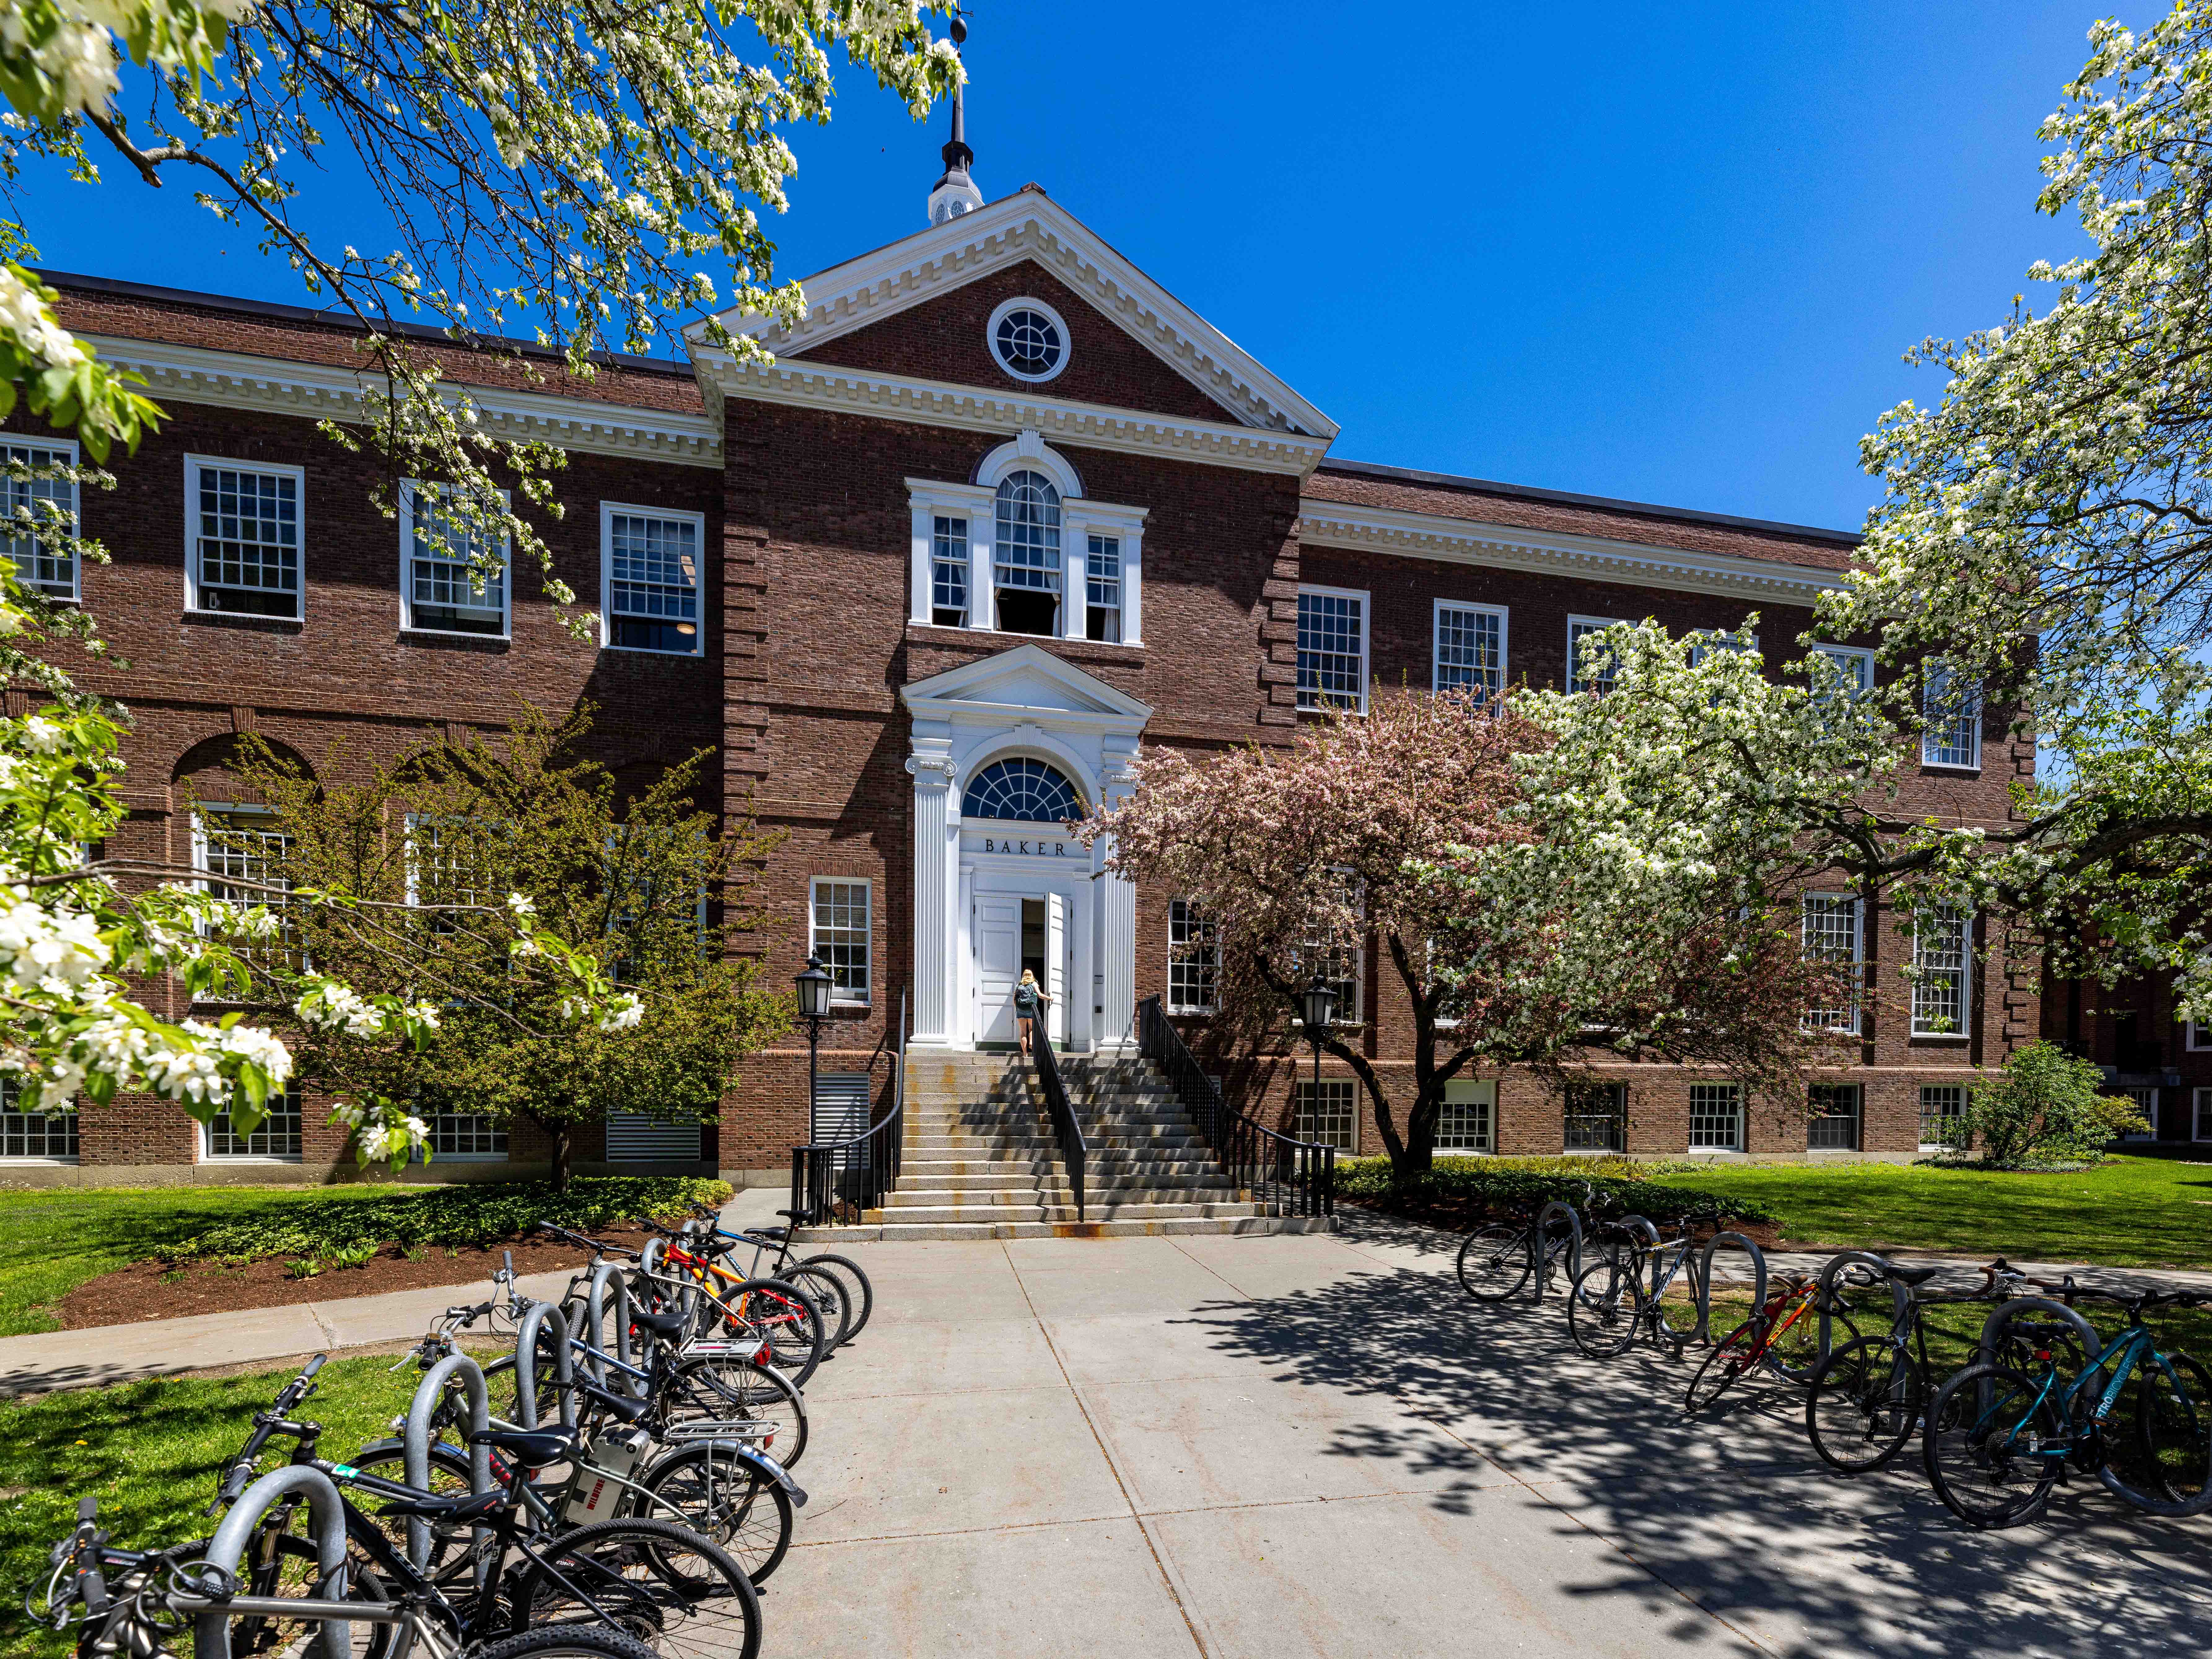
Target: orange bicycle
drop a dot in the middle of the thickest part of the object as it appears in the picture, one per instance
(1757, 1343)
(729, 1307)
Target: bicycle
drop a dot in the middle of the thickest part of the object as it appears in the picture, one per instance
(1870, 1395)
(2000, 1437)
(856, 1295)
(1621, 1296)
(1495, 1261)
(132, 1602)
(679, 1593)
(719, 1299)
(1757, 1343)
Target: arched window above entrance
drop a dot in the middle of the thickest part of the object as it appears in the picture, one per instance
(1026, 561)
(1022, 790)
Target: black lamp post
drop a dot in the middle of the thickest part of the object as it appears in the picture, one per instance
(1318, 1001)
(814, 985)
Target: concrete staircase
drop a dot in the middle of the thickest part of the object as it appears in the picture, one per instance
(981, 1160)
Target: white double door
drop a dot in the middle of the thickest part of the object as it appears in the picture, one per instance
(1010, 931)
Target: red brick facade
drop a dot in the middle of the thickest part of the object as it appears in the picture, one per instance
(808, 644)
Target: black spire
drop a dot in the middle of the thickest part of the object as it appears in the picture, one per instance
(956, 193)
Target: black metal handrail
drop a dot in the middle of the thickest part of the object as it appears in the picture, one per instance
(1073, 1150)
(1275, 1168)
(830, 1178)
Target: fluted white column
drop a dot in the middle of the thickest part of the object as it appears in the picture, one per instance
(1117, 910)
(934, 880)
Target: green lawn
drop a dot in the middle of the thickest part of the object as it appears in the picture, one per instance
(52, 1240)
(2131, 1213)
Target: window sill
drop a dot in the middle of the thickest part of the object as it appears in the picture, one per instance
(1952, 767)
(437, 637)
(1001, 639)
(39, 1163)
(243, 1158)
(639, 651)
(459, 1158)
(1713, 1151)
(1941, 1037)
(247, 620)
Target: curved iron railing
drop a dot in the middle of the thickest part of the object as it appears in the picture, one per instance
(1073, 1150)
(834, 1181)
(1300, 1175)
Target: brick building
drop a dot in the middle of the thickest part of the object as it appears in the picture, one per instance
(1001, 511)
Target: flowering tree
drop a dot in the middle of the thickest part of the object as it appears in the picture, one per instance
(2047, 529)
(562, 169)
(1547, 882)
(420, 852)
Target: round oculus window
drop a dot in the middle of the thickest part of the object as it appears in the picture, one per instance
(1028, 340)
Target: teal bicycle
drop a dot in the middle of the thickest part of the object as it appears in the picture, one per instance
(2000, 1435)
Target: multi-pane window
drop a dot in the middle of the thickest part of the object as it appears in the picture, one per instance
(449, 586)
(2203, 1128)
(241, 844)
(245, 526)
(948, 571)
(468, 1135)
(1951, 713)
(1194, 959)
(442, 867)
(1832, 936)
(1596, 1117)
(278, 1136)
(1025, 554)
(840, 935)
(651, 579)
(1465, 1119)
(1326, 1116)
(1102, 618)
(1942, 1114)
(1470, 650)
(1332, 648)
(1022, 790)
(1597, 673)
(1336, 960)
(1716, 1117)
(1942, 955)
(2196, 1035)
(44, 1135)
(1854, 670)
(48, 503)
(1832, 1120)
(2145, 1100)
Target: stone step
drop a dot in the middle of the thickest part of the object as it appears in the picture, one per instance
(1060, 1197)
(971, 1215)
(919, 1232)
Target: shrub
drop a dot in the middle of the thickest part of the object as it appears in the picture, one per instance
(327, 1228)
(1517, 1184)
(2046, 1104)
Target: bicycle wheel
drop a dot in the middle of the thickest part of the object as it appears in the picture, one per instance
(2166, 1466)
(1995, 1446)
(449, 1478)
(1861, 1404)
(827, 1292)
(678, 1593)
(288, 1563)
(1494, 1263)
(728, 1500)
(722, 1388)
(1602, 1310)
(1729, 1358)
(563, 1642)
(859, 1294)
(784, 1317)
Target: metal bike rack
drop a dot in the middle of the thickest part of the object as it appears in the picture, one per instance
(1543, 1263)
(428, 1394)
(596, 1301)
(1900, 1296)
(1705, 1280)
(211, 1629)
(2002, 1314)
(1646, 1234)
(541, 1314)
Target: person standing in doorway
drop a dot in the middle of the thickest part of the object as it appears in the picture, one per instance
(1029, 1002)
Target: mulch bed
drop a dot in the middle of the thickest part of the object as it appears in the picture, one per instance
(157, 1289)
(1465, 1216)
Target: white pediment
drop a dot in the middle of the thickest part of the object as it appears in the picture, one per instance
(1028, 678)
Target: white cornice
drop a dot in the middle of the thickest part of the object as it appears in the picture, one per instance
(1463, 541)
(1029, 226)
(937, 403)
(236, 379)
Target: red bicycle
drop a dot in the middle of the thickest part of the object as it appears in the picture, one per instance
(1757, 1343)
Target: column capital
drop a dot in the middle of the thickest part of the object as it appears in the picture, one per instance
(931, 771)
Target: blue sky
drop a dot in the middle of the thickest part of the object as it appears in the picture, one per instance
(1671, 253)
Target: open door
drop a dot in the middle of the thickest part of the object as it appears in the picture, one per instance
(998, 925)
(1056, 965)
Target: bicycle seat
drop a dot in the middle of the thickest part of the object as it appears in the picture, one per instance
(620, 1405)
(1909, 1276)
(661, 1324)
(455, 1506)
(532, 1448)
(769, 1232)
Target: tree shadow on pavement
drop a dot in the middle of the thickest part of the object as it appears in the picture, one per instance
(1733, 1511)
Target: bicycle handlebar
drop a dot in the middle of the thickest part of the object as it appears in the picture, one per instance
(238, 1474)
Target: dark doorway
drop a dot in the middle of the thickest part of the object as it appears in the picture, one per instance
(1033, 939)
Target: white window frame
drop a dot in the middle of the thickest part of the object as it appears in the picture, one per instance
(1192, 918)
(408, 489)
(1024, 302)
(1959, 1117)
(66, 448)
(2145, 1100)
(1857, 653)
(840, 997)
(1933, 674)
(208, 1154)
(499, 1127)
(1857, 1093)
(11, 1094)
(1577, 626)
(1712, 1149)
(2200, 1119)
(608, 510)
(2196, 1039)
(1366, 624)
(1567, 1114)
(1856, 1023)
(1437, 642)
(1474, 1092)
(1966, 972)
(209, 879)
(194, 464)
(1304, 1088)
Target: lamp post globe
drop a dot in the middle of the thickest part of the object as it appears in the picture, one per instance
(1320, 1008)
(814, 985)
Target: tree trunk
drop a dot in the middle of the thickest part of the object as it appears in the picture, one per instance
(561, 1165)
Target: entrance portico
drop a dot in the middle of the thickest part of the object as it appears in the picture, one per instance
(1004, 749)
